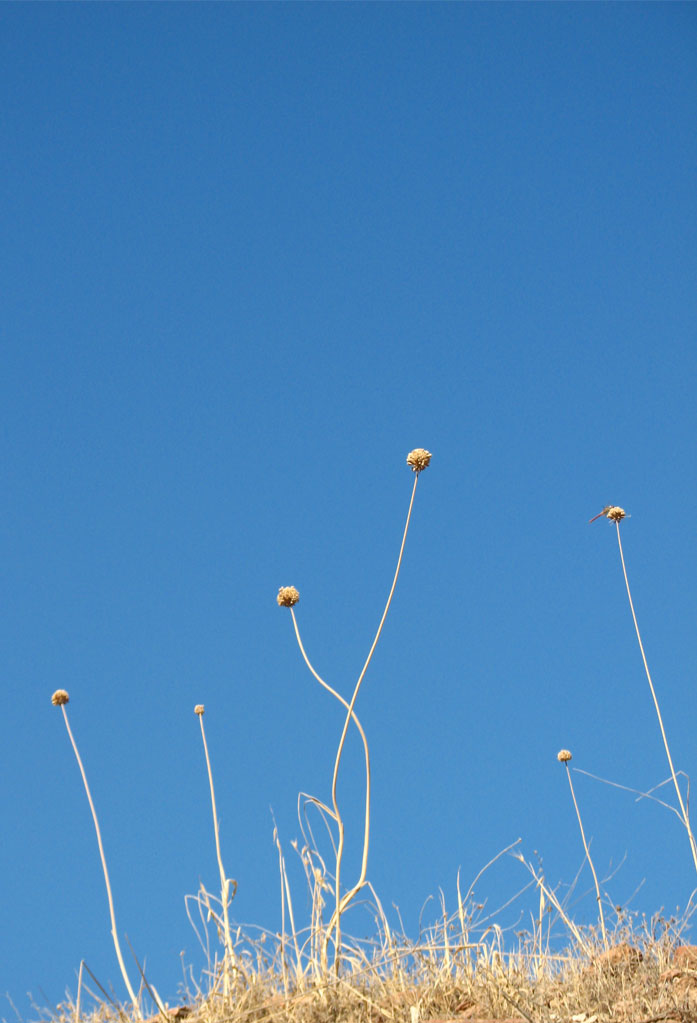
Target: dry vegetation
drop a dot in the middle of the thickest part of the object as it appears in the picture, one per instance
(645, 976)
(464, 967)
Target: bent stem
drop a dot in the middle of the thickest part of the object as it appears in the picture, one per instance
(684, 813)
(351, 714)
(341, 904)
(224, 881)
(114, 932)
(588, 857)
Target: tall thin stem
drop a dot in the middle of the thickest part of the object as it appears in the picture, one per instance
(224, 882)
(683, 809)
(114, 932)
(588, 856)
(336, 918)
(340, 698)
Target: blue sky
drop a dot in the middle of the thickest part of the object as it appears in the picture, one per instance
(252, 255)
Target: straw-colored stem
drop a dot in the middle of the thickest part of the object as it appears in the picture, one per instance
(79, 992)
(342, 904)
(285, 896)
(344, 703)
(683, 809)
(112, 915)
(284, 967)
(588, 857)
(298, 958)
(538, 935)
(224, 883)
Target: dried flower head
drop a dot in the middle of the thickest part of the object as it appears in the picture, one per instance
(616, 514)
(59, 698)
(287, 596)
(199, 709)
(418, 459)
(564, 756)
(612, 512)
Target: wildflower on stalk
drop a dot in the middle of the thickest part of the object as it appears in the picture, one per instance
(611, 512)
(59, 699)
(418, 459)
(616, 515)
(287, 596)
(564, 756)
(199, 709)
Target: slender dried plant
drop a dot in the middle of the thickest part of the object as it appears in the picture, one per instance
(288, 596)
(616, 514)
(366, 828)
(59, 699)
(228, 887)
(417, 460)
(564, 756)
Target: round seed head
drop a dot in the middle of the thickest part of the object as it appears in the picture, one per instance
(287, 596)
(616, 514)
(59, 698)
(564, 756)
(199, 709)
(418, 459)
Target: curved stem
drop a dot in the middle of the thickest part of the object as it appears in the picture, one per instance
(683, 810)
(112, 915)
(341, 905)
(359, 726)
(351, 714)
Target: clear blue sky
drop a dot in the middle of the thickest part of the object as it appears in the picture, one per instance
(251, 256)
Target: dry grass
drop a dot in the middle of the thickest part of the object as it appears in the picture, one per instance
(439, 978)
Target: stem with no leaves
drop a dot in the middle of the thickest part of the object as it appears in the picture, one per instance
(366, 830)
(288, 596)
(224, 881)
(60, 698)
(588, 854)
(684, 813)
(341, 904)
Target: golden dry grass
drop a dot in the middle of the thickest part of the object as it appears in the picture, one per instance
(646, 975)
